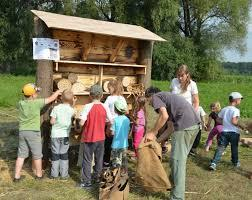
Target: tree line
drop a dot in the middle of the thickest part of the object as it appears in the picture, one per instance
(196, 31)
(244, 68)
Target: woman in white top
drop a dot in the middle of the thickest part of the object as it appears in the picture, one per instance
(184, 86)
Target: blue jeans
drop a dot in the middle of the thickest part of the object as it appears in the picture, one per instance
(226, 138)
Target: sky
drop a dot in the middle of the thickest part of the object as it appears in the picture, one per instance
(233, 56)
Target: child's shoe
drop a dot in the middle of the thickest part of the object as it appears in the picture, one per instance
(39, 178)
(193, 152)
(84, 185)
(237, 165)
(53, 177)
(164, 150)
(65, 178)
(212, 166)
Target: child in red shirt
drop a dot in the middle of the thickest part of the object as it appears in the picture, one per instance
(93, 117)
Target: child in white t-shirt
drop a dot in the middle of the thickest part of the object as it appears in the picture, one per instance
(202, 116)
(116, 92)
(61, 120)
(229, 116)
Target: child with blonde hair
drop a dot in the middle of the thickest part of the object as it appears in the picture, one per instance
(116, 92)
(217, 129)
(138, 129)
(61, 120)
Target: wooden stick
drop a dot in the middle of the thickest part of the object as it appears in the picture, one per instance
(56, 66)
(117, 49)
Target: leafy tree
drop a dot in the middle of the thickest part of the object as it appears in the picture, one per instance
(196, 30)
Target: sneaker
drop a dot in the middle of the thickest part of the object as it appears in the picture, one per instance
(85, 185)
(53, 178)
(16, 180)
(237, 165)
(193, 152)
(38, 178)
(164, 150)
(106, 164)
(96, 180)
(65, 178)
(212, 166)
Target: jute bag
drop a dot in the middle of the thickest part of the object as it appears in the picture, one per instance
(114, 186)
(150, 173)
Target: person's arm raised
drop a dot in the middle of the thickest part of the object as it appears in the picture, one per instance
(162, 119)
(52, 97)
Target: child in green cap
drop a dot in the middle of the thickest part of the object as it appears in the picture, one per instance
(120, 129)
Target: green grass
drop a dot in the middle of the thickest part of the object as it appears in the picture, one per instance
(227, 183)
(219, 91)
(11, 88)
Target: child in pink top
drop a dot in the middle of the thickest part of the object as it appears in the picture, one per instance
(139, 123)
(217, 129)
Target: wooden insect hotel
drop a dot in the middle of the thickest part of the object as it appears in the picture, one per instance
(94, 52)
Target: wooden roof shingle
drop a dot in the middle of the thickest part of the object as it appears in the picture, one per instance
(65, 22)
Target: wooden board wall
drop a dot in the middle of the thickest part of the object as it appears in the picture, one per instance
(94, 69)
(93, 47)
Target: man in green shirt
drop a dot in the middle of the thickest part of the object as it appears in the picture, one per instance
(29, 128)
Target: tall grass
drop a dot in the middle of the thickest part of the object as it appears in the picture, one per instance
(11, 88)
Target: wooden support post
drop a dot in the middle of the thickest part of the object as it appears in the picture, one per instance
(117, 49)
(87, 48)
(100, 75)
(56, 66)
(145, 58)
(44, 79)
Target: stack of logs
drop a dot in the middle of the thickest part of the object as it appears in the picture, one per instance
(70, 81)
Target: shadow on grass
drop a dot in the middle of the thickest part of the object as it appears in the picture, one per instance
(8, 153)
(203, 161)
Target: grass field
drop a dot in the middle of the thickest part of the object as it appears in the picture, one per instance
(226, 183)
(10, 90)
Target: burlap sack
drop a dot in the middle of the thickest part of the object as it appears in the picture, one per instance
(113, 185)
(150, 172)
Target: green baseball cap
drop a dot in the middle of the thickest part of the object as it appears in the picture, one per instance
(96, 90)
(121, 105)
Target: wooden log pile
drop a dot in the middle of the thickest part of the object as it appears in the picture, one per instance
(246, 142)
(69, 83)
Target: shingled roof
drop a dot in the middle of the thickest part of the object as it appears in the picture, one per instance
(57, 21)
